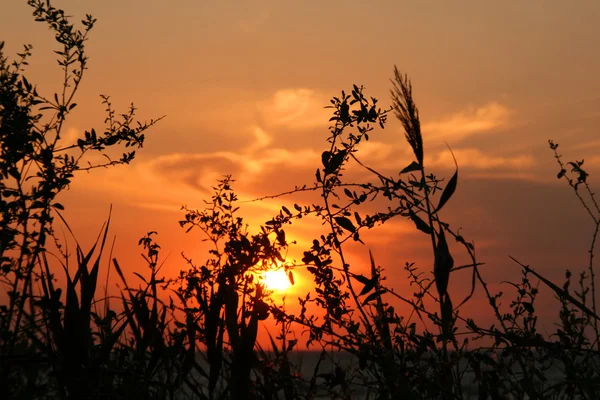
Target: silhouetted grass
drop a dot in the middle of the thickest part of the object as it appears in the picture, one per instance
(72, 342)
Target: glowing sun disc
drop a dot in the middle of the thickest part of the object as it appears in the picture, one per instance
(276, 280)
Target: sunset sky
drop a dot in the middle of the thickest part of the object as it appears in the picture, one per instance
(243, 85)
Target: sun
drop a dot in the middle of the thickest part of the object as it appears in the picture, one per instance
(277, 281)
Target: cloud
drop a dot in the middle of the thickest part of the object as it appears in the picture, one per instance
(70, 136)
(593, 161)
(265, 164)
(506, 176)
(476, 159)
(297, 108)
(201, 171)
(262, 139)
(585, 145)
(469, 122)
(373, 150)
(385, 157)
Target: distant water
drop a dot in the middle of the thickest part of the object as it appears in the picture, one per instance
(305, 362)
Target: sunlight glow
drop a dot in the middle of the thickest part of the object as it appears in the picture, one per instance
(276, 280)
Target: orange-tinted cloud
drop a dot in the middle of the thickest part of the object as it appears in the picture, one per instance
(477, 159)
(167, 181)
(296, 108)
(465, 123)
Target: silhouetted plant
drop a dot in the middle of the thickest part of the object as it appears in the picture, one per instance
(229, 299)
(203, 343)
(35, 166)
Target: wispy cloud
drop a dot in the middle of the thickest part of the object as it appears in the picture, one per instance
(593, 161)
(476, 159)
(378, 151)
(188, 177)
(263, 164)
(296, 108)
(468, 122)
(201, 170)
(262, 139)
(586, 145)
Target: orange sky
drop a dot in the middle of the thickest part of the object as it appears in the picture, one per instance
(243, 85)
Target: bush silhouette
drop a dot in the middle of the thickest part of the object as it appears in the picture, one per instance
(70, 342)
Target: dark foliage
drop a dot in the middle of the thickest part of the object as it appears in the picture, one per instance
(70, 342)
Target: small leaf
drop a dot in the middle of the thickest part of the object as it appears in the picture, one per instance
(111, 140)
(335, 162)
(374, 296)
(325, 156)
(14, 173)
(450, 187)
(362, 279)
(448, 191)
(345, 223)
(413, 166)
(368, 287)
(291, 344)
(357, 218)
(421, 225)
(281, 237)
(141, 277)
(291, 277)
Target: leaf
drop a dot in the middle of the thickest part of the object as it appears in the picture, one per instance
(348, 193)
(325, 156)
(413, 166)
(374, 296)
(345, 223)
(362, 279)
(111, 140)
(27, 84)
(291, 344)
(291, 277)
(528, 307)
(141, 277)
(443, 263)
(335, 162)
(450, 187)
(448, 191)
(421, 225)
(14, 173)
(368, 286)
